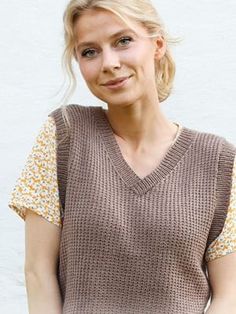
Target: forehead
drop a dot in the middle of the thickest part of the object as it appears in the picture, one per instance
(96, 23)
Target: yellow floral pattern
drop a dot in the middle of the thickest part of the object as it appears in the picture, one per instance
(225, 243)
(37, 190)
(37, 187)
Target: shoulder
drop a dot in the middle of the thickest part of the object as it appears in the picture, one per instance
(212, 142)
(71, 109)
(48, 126)
(72, 115)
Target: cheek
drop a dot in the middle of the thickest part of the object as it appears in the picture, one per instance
(133, 57)
(88, 71)
(141, 58)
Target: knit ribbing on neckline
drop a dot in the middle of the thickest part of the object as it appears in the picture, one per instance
(131, 179)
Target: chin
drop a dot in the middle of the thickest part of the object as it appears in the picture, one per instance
(117, 99)
(119, 102)
(122, 98)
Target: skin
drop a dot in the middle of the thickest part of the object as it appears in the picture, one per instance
(134, 110)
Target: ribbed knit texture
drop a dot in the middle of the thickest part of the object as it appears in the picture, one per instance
(131, 245)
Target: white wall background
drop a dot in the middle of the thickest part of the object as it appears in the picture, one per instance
(31, 45)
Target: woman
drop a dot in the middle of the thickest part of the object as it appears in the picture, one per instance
(142, 217)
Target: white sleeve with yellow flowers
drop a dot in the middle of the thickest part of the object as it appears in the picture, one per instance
(37, 187)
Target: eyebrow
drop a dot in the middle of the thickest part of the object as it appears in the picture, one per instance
(89, 43)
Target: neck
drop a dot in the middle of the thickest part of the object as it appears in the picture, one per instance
(141, 126)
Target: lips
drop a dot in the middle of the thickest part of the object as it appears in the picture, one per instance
(113, 82)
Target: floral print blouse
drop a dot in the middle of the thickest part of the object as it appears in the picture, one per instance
(37, 189)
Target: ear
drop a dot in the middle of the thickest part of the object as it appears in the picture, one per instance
(160, 47)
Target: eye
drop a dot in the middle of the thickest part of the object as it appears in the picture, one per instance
(125, 40)
(90, 52)
(86, 53)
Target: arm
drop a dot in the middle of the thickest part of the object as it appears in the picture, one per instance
(222, 276)
(42, 240)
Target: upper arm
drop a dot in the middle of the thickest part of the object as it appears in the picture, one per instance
(37, 187)
(36, 199)
(222, 276)
(42, 242)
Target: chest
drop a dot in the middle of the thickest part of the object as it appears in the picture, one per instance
(144, 163)
(163, 197)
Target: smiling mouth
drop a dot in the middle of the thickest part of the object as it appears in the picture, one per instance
(118, 84)
(117, 81)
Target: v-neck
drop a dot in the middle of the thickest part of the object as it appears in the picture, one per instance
(127, 174)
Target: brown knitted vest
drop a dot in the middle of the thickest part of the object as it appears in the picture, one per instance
(132, 245)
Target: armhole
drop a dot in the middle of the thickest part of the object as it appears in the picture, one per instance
(223, 189)
(62, 155)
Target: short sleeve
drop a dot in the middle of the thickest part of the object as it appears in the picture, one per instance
(37, 187)
(225, 243)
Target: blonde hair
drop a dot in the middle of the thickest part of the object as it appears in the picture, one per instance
(141, 11)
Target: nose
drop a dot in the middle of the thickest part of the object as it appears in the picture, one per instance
(110, 60)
